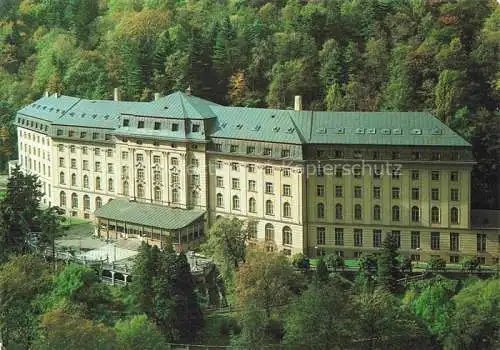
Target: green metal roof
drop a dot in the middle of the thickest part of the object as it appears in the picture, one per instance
(259, 124)
(146, 214)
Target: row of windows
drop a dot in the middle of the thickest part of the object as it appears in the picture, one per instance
(395, 213)
(287, 237)
(395, 192)
(251, 150)
(251, 168)
(83, 134)
(33, 124)
(393, 155)
(74, 201)
(35, 166)
(377, 173)
(158, 125)
(252, 186)
(360, 239)
(252, 205)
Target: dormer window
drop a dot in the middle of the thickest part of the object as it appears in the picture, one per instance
(140, 124)
(175, 127)
(126, 122)
(195, 128)
(157, 126)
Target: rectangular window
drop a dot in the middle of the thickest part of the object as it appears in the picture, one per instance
(481, 243)
(376, 155)
(358, 237)
(321, 171)
(174, 161)
(357, 173)
(59, 132)
(436, 156)
(250, 149)
(195, 180)
(454, 176)
(415, 240)
(110, 168)
(415, 193)
(338, 172)
(320, 153)
(287, 190)
(454, 194)
(320, 190)
(219, 181)
(454, 259)
(357, 154)
(73, 163)
(97, 151)
(376, 192)
(435, 175)
(235, 183)
(139, 157)
(415, 175)
(268, 170)
(395, 193)
(195, 128)
(85, 165)
(61, 162)
(218, 164)
(338, 191)
(218, 147)
(126, 122)
(377, 238)
(235, 166)
(338, 154)
(285, 153)
(415, 155)
(71, 133)
(251, 185)
(357, 191)
(320, 235)
(156, 159)
(109, 153)
(435, 237)
(286, 172)
(397, 237)
(395, 174)
(234, 148)
(339, 236)
(269, 188)
(157, 126)
(268, 151)
(251, 168)
(454, 241)
(435, 194)
(175, 127)
(97, 166)
(395, 155)
(124, 155)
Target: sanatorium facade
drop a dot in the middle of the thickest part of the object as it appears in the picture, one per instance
(312, 182)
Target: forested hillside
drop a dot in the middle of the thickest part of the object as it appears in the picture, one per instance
(435, 55)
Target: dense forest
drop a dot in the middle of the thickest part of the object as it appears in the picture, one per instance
(434, 55)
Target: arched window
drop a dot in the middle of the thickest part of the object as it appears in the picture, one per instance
(395, 213)
(85, 181)
(98, 183)
(252, 205)
(320, 210)
(252, 229)
(287, 235)
(110, 184)
(415, 214)
(98, 202)
(454, 215)
(339, 215)
(435, 217)
(287, 210)
(140, 191)
(61, 178)
(74, 200)
(220, 201)
(86, 202)
(269, 231)
(62, 199)
(376, 212)
(157, 193)
(125, 188)
(175, 195)
(236, 203)
(269, 207)
(73, 179)
(195, 196)
(358, 214)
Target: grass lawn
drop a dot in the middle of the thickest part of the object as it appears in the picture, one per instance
(75, 221)
(350, 263)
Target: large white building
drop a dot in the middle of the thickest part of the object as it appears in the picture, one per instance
(177, 163)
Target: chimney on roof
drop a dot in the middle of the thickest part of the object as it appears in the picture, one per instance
(46, 94)
(298, 103)
(116, 95)
(189, 91)
(157, 96)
